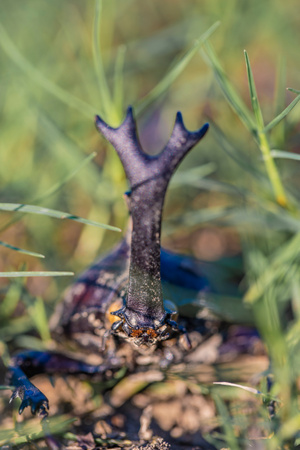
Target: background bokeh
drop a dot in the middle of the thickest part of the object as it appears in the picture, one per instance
(55, 75)
(50, 91)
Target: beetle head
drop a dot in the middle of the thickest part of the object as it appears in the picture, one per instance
(142, 329)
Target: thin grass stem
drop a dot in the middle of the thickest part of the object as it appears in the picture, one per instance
(107, 109)
(272, 170)
(263, 142)
(13, 53)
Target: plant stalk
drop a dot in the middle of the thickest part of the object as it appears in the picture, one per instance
(271, 169)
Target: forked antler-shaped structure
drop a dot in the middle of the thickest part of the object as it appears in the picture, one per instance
(143, 315)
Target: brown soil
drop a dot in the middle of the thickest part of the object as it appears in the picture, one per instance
(155, 407)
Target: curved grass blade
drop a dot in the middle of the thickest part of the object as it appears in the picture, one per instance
(194, 174)
(285, 155)
(14, 327)
(13, 53)
(284, 113)
(18, 207)
(256, 128)
(118, 90)
(235, 154)
(30, 342)
(56, 187)
(196, 217)
(35, 274)
(278, 267)
(279, 100)
(65, 180)
(293, 336)
(38, 314)
(231, 439)
(177, 68)
(248, 389)
(288, 430)
(107, 104)
(279, 97)
(273, 174)
(29, 430)
(20, 250)
(253, 95)
(227, 88)
(294, 90)
(10, 301)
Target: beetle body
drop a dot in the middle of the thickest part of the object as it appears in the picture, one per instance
(122, 293)
(94, 304)
(85, 313)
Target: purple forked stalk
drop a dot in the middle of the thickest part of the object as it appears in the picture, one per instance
(144, 314)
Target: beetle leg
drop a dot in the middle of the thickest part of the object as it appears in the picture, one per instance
(28, 393)
(27, 364)
(180, 329)
(116, 326)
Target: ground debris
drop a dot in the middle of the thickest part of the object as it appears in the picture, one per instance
(156, 444)
(157, 407)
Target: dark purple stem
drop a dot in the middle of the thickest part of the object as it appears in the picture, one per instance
(148, 177)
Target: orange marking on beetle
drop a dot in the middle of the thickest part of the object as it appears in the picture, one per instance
(112, 308)
(136, 333)
(152, 333)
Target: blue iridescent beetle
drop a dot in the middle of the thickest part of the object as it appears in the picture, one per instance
(121, 294)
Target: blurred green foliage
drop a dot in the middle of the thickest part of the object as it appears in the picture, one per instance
(63, 62)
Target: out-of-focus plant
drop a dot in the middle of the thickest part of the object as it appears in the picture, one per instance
(95, 58)
(271, 255)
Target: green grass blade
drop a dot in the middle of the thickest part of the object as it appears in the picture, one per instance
(54, 188)
(257, 128)
(218, 186)
(194, 174)
(35, 274)
(12, 328)
(31, 342)
(20, 250)
(279, 97)
(279, 266)
(293, 336)
(227, 88)
(282, 115)
(29, 430)
(176, 69)
(296, 302)
(253, 94)
(272, 171)
(65, 180)
(294, 90)
(231, 439)
(289, 429)
(118, 91)
(10, 301)
(26, 67)
(241, 159)
(194, 218)
(279, 100)
(18, 207)
(228, 308)
(39, 317)
(285, 155)
(106, 101)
